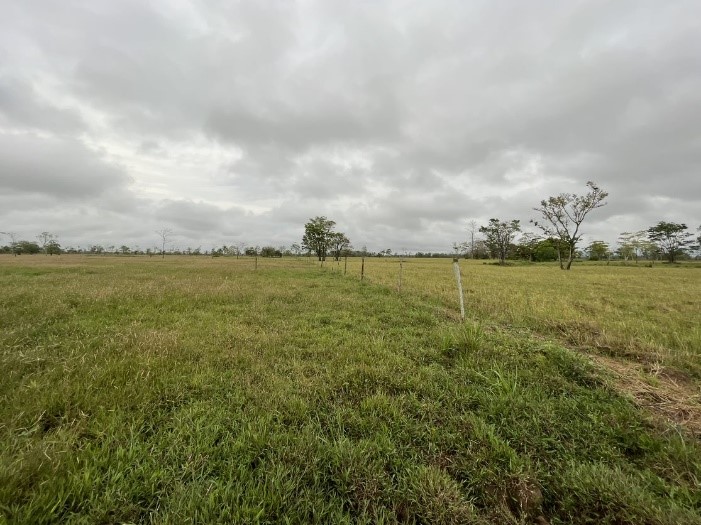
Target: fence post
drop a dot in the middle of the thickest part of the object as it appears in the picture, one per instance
(362, 269)
(458, 280)
(345, 265)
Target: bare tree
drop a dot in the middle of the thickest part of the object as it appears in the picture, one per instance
(13, 241)
(165, 235)
(563, 215)
(45, 238)
(472, 229)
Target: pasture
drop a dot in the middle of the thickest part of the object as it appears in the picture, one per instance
(202, 390)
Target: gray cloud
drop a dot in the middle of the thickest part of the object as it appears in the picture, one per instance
(61, 168)
(399, 120)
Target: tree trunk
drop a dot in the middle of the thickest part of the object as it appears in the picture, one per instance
(570, 258)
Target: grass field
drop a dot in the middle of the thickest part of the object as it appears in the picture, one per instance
(199, 390)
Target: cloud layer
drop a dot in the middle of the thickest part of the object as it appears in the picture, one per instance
(236, 122)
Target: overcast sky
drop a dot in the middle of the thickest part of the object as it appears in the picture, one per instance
(236, 122)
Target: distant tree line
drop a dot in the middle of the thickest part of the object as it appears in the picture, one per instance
(560, 221)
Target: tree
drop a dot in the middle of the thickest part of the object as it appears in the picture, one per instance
(45, 238)
(124, 249)
(27, 247)
(527, 246)
(270, 251)
(563, 215)
(460, 248)
(52, 247)
(598, 251)
(317, 236)
(500, 235)
(338, 243)
(472, 230)
(671, 238)
(633, 245)
(546, 250)
(13, 241)
(164, 234)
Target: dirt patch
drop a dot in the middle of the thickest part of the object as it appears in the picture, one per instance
(666, 395)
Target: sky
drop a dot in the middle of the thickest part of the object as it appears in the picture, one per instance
(236, 122)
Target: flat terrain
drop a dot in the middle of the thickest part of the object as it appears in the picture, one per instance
(202, 390)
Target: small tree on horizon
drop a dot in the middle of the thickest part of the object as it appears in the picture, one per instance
(500, 235)
(671, 238)
(338, 244)
(317, 236)
(562, 216)
(164, 234)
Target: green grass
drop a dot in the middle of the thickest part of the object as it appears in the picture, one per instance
(199, 390)
(651, 315)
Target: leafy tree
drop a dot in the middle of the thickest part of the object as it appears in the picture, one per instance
(527, 245)
(598, 251)
(563, 215)
(671, 238)
(339, 243)
(52, 247)
(27, 247)
(500, 235)
(270, 251)
(124, 249)
(546, 250)
(633, 245)
(318, 235)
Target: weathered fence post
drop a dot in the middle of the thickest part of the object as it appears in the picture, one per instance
(458, 280)
(345, 265)
(362, 268)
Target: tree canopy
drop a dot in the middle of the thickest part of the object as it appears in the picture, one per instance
(500, 235)
(562, 216)
(318, 233)
(671, 238)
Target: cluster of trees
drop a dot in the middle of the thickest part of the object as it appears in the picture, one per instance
(321, 239)
(46, 243)
(670, 240)
(560, 220)
(561, 217)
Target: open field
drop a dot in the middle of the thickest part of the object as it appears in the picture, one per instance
(648, 314)
(140, 390)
